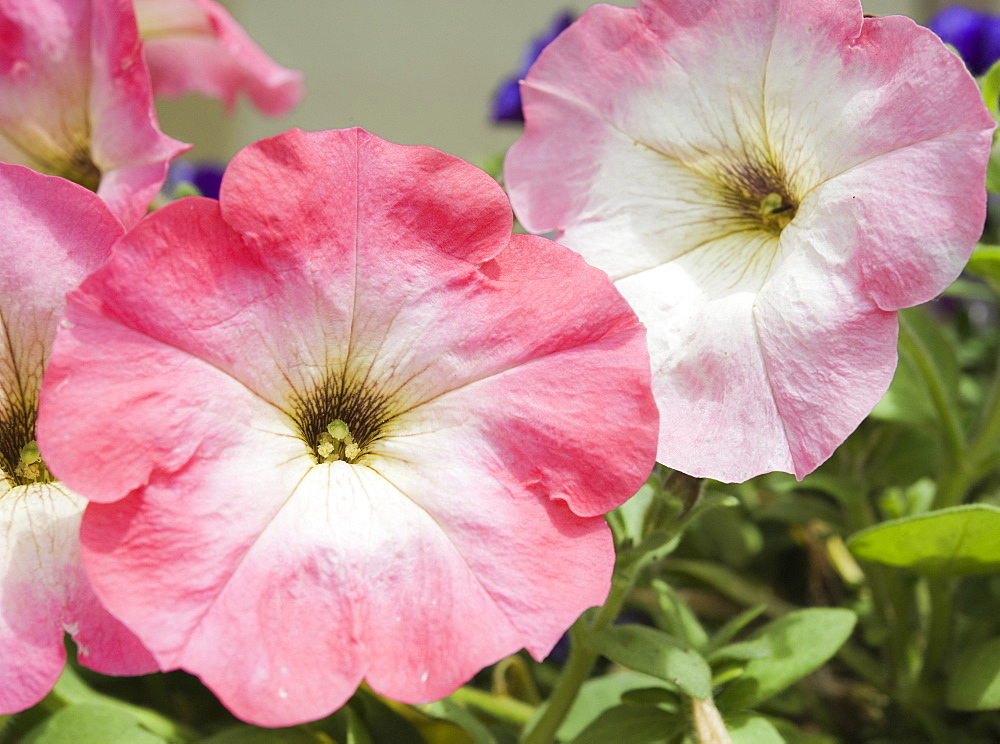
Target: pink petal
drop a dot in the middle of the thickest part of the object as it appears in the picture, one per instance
(196, 46)
(44, 594)
(77, 100)
(645, 127)
(55, 233)
(514, 388)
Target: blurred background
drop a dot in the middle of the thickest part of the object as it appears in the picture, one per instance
(419, 72)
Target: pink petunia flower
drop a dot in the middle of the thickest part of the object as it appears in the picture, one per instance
(75, 99)
(766, 181)
(54, 233)
(341, 424)
(196, 46)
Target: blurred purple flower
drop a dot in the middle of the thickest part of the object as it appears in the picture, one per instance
(974, 33)
(206, 176)
(507, 99)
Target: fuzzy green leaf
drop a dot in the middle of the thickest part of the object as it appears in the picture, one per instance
(959, 540)
(800, 642)
(598, 695)
(629, 724)
(750, 729)
(91, 723)
(653, 652)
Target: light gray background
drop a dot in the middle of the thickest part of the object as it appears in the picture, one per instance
(410, 71)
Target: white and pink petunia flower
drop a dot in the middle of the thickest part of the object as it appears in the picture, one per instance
(75, 99)
(766, 181)
(54, 233)
(195, 46)
(342, 425)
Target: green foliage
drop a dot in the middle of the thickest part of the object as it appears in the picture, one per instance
(750, 729)
(657, 654)
(93, 723)
(600, 694)
(254, 735)
(959, 540)
(926, 356)
(985, 263)
(990, 85)
(974, 683)
(630, 724)
(799, 643)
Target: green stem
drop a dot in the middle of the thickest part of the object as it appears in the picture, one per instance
(938, 631)
(890, 599)
(503, 708)
(980, 457)
(580, 663)
(973, 462)
(921, 356)
(863, 664)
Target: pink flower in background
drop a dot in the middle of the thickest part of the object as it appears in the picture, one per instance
(54, 233)
(766, 182)
(75, 99)
(341, 425)
(196, 46)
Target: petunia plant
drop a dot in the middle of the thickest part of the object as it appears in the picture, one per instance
(320, 448)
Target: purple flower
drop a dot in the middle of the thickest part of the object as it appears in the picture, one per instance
(975, 34)
(206, 176)
(507, 100)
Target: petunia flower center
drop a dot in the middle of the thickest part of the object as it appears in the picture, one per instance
(336, 443)
(341, 419)
(20, 462)
(30, 467)
(68, 156)
(759, 195)
(776, 211)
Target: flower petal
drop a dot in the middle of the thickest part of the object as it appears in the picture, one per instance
(196, 46)
(654, 138)
(55, 233)
(77, 100)
(498, 385)
(44, 594)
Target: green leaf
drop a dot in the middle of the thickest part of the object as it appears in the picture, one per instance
(254, 735)
(985, 263)
(653, 652)
(792, 734)
(758, 648)
(745, 728)
(451, 711)
(993, 168)
(91, 723)
(908, 398)
(974, 682)
(627, 518)
(662, 697)
(959, 540)
(729, 535)
(629, 724)
(800, 642)
(728, 631)
(989, 83)
(383, 722)
(70, 690)
(795, 507)
(729, 583)
(598, 695)
(682, 623)
(357, 732)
